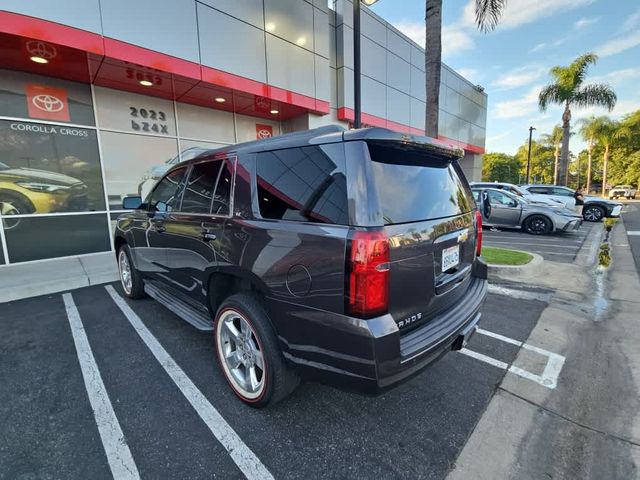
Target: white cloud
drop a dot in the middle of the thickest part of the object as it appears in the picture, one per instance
(617, 77)
(521, 12)
(631, 22)
(619, 44)
(521, 107)
(519, 77)
(454, 39)
(585, 22)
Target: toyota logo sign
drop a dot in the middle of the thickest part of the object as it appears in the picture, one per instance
(47, 103)
(263, 131)
(41, 49)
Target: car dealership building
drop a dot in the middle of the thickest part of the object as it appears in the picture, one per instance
(98, 98)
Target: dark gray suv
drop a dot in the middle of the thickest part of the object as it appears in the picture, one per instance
(345, 257)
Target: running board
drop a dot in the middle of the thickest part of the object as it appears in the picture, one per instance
(198, 319)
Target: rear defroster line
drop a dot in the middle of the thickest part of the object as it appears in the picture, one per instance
(550, 374)
(244, 458)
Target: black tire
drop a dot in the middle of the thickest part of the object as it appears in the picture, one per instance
(135, 290)
(277, 380)
(593, 213)
(537, 225)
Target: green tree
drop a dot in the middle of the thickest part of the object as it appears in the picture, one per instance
(590, 128)
(500, 167)
(488, 14)
(568, 90)
(554, 139)
(542, 161)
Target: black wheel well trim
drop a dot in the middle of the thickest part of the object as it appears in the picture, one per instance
(225, 282)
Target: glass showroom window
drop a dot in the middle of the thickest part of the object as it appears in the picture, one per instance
(52, 201)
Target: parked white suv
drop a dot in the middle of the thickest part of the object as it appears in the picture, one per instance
(624, 191)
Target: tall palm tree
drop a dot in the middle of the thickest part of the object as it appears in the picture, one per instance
(568, 90)
(605, 135)
(488, 14)
(590, 129)
(555, 140)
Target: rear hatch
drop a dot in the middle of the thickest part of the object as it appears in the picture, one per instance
(427, 208)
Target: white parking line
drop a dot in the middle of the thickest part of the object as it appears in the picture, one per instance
(244, 458)
(115, 446)
(633, 232)
(550, 374)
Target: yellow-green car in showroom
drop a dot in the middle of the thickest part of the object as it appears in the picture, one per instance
(27, 191)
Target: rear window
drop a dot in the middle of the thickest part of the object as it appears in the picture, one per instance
(412, 187)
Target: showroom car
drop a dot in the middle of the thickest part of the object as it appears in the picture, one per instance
(503, 209)
(26, 190)
(595, 208)
(300, 271)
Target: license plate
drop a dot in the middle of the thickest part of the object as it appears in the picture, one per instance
(450, 257)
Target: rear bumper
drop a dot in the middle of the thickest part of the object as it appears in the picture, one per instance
(372, 355)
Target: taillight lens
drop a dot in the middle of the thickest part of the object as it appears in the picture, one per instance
(478, 233)
(368, 274)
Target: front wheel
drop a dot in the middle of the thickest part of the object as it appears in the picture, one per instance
(593, 213)
(538, 225)
(130, 278)
(248, 352)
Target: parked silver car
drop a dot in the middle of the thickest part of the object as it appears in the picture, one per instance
(503, 209)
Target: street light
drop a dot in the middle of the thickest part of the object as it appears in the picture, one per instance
(531, 129)
(357, 101)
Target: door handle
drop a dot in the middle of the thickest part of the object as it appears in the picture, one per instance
(208, 236)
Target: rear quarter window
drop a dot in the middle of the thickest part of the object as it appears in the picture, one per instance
(412, 187)
(304, 184)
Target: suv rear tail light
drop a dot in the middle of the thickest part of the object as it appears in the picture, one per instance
(368, 274)
(478, 233)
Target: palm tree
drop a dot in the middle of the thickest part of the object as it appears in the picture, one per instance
(605, 135)
(568, 90)
(488, 14)
(590, 129)
(554, 139)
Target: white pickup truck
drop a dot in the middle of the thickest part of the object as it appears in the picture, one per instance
(622, 191)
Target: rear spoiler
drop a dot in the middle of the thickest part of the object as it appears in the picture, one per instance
(382, 137)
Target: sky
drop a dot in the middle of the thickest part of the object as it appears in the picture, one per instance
(512, 62)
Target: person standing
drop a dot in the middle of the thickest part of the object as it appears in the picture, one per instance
(579, 197)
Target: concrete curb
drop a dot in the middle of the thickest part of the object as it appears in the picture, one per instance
(534, 266)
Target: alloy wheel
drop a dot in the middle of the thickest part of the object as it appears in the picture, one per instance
(241, 354)
(592, 214)
(125, 271)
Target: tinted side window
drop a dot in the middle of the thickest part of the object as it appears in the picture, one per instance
(304, 184)
(539, 190)
(563, 191)
(222, 195)
(166, 196)
(497, 198)
(198, 193)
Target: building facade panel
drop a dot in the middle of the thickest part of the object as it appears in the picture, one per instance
(398, 106)
(165, 27)
(250, 11)
(243, 46)
(289, 66)
(83, 14)
(290, 20)
(398, 73)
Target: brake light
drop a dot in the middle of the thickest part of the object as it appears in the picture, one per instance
(478, 233)
(368, 274)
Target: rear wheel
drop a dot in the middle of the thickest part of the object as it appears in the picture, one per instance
(130, 278)
(593, 213)
(537, 225)
(248, 352)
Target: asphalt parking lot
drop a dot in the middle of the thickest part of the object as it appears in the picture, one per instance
(161, 408)
(556, 247)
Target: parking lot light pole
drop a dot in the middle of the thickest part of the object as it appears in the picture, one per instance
(531, 129)
(357, 100)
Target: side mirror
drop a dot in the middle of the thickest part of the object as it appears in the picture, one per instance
(131, 203)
